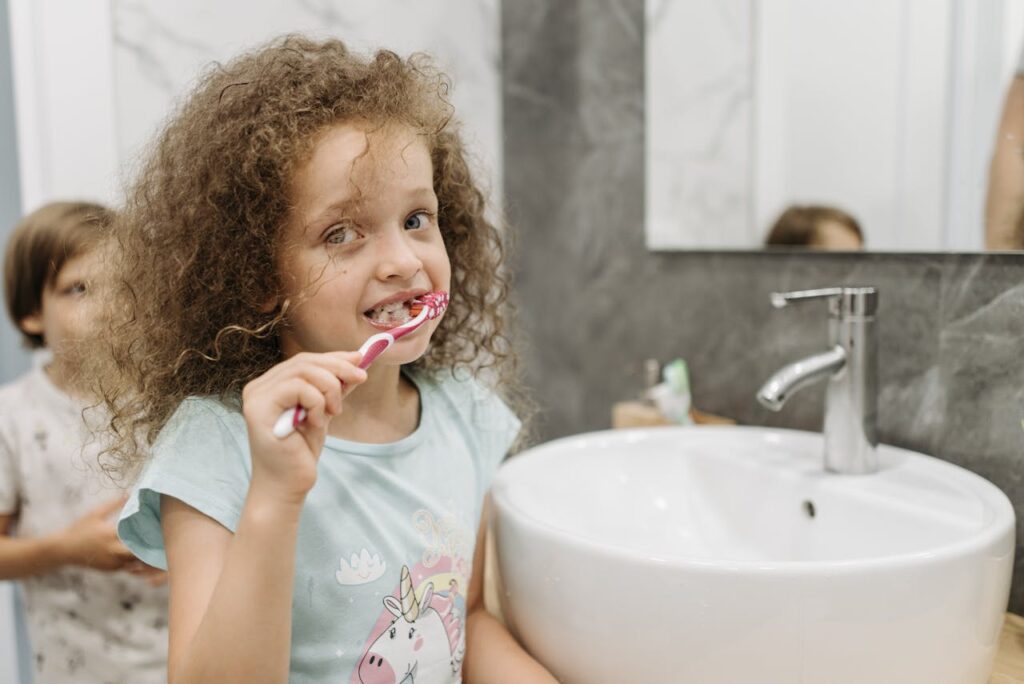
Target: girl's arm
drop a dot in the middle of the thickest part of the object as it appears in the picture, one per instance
(493, 656)
(230, 595)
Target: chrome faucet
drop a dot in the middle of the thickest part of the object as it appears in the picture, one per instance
(851, 433)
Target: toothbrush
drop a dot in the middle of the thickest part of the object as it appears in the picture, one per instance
(424, 308)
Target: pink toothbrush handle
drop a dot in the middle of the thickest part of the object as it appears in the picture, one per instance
(288, 421)
(371, 349)
(374, 347)
(434, 305)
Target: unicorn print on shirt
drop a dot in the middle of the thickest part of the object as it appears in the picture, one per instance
(423, 644)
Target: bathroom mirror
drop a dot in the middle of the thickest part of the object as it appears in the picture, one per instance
(884, 109)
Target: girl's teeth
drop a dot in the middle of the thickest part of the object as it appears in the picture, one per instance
(390, 314)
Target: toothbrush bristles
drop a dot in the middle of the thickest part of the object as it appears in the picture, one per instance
(434, 302)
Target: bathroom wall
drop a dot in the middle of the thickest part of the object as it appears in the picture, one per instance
(94, 79)
(161, 47)
(951, 327)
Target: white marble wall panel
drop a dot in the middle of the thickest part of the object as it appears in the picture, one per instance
(160, 48)
(699, 120)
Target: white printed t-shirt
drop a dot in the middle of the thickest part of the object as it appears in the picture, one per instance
(84, 625)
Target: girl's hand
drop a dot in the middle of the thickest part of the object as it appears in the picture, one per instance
(286, 468)
(92, 542)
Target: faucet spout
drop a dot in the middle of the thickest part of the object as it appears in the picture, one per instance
(789, 379)
(851, 423)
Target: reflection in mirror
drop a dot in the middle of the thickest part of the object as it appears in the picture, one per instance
(1004, 208)
(887, 110)
(816, 227)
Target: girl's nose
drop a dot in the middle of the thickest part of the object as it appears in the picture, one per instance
(398, 258)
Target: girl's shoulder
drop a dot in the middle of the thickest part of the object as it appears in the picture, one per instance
(467, 398)
(458, 387)
(200, 457)
(464, 407)
(199, 418)
(208, 408)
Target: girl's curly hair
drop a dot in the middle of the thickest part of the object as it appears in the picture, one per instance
(200, 233)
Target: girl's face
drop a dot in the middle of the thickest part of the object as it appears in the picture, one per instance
(363, 240)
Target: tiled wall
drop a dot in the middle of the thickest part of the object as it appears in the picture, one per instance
(950, 327)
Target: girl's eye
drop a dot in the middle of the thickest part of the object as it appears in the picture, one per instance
(342, 235)
(421, 219)
(76, 288)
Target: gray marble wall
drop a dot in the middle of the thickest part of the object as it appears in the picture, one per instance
(594, 302)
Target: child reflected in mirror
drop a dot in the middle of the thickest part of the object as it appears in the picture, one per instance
(816, 226)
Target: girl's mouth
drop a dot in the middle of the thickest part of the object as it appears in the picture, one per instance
(390, 315)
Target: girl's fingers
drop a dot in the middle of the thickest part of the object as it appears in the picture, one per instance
(298, 391)
(325, 381)
(342, 365)
(352, 357)
(316, 382)
(332, 361)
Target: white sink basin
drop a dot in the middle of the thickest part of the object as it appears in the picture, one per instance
(705, 554)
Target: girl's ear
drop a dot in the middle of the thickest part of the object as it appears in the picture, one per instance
(32, 324)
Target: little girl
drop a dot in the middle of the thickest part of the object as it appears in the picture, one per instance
(295, 205)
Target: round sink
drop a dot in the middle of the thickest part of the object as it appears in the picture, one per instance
(727, 554)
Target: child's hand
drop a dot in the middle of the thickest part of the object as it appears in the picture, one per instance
(92, 540)
(287, 467)
(154, 577)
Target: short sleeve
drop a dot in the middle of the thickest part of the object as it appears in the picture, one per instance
(496, 428)
(8, 478)
(201, 457)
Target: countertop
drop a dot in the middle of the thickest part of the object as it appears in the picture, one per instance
(1009, 667)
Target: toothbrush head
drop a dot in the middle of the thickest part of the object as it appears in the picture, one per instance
(424, 308)
(434, 302)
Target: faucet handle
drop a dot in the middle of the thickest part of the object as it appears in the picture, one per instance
(781, 299)
(843, 302)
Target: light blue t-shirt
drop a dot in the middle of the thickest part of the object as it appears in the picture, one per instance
(386, 536)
